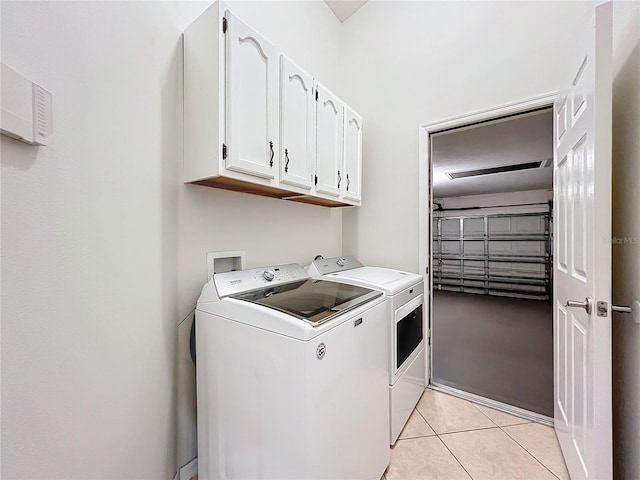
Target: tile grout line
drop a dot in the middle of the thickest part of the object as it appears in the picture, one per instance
(483, 413)
(495, 425)
(454, 456)
(524, 421)
(424, 418)
(516, 441)
(456, 431)
(415, 410)
(526, 450)
(470, 430)
(417, 436)
(436, 434)
(500, 427)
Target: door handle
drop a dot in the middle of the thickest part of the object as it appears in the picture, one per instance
(634, 310)
(586, 304)
(616, 308)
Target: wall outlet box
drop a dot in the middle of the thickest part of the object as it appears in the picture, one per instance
(26, 108)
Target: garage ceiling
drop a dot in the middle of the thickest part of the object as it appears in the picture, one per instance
(525, 139)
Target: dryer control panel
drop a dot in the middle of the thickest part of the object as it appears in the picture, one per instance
(324, 266)
(231, 283)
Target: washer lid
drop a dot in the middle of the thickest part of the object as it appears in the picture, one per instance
(391, 281)
(313, 301)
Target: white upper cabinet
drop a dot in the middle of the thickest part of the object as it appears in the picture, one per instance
(252, 101)
(329, 132)
(257, 123)
(297, 126)
(204, 94)
(352, 155)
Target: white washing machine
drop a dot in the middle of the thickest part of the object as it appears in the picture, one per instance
(405, 291)
(291, 377)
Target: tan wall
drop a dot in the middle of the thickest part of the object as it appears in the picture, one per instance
(626, 232)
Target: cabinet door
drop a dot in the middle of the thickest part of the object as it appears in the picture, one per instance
(329, 142)
(297, 125)
(352, 155)
(252, 101)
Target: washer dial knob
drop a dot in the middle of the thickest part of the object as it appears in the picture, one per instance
(268, 275)
(341, 262)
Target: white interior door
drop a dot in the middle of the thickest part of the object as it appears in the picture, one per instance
(297, 125)
(582, 266)
(329, 142)
(252, 101)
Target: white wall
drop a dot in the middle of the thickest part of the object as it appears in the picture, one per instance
(89, 243)
(103, 247)
(408, 63)
(626, 229)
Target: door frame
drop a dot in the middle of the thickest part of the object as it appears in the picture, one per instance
(425, 194)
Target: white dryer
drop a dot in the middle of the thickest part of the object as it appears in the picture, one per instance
(291, 377)
(405, 291)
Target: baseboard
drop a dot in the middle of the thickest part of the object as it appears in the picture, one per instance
(190, 470)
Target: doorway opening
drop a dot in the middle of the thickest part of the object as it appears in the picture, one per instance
(489, 250)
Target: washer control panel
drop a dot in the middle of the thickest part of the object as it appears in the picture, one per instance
(269, 275)
(230, 283)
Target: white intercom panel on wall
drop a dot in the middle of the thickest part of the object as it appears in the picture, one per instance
(26, 109)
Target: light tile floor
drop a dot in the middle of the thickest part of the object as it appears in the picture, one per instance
(450, 438)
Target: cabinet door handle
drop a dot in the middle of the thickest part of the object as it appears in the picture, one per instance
(286, 155)
(348, 182)
(339, 178)
(272, 154)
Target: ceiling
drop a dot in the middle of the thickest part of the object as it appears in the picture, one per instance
(343, 9)
(516, 140)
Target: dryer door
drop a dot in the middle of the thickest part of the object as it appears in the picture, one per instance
(408, 333)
